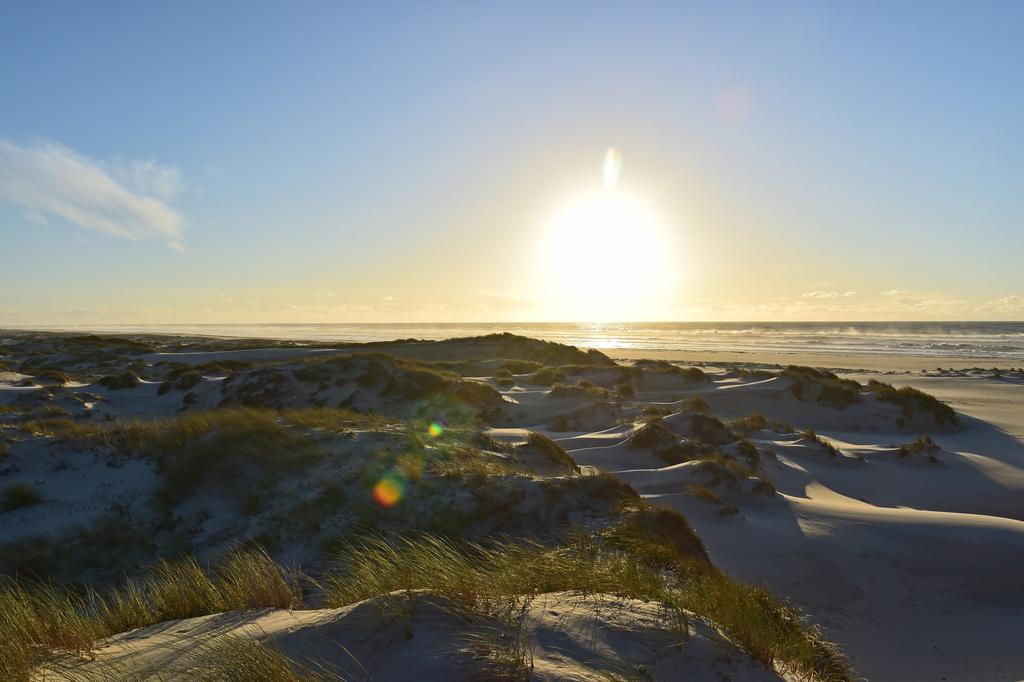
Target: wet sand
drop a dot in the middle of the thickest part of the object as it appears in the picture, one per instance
(870, 362)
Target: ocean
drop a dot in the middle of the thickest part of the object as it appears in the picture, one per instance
(1002, 340)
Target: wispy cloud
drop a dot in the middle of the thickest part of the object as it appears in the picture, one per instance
(1006, 304)
(125, 199)
(828, 294)
(148, 177)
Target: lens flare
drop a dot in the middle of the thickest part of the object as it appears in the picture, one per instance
(612, 167)
(435, 429)
(389, 489)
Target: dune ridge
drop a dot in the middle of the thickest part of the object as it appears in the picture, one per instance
(882, 513)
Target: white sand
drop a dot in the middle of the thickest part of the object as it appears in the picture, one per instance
(914, 568)
(571, 637)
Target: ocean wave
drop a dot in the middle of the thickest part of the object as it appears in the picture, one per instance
(1000, 340)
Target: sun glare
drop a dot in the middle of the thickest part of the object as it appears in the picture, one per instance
(606, 254)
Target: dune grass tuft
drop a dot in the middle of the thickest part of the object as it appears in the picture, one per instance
(551, 450)
(18, 495)
(37, 619)
(922, 445)
(118, 382)
(823, 387)
(690, 374)
(585, 390)
(547, 376)
(494, 580)
(811, 435)
(912, 401)
(758, 422)
(207, 446)
(240, 659)
(662, 536)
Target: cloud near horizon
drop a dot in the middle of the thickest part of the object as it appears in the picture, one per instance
(126, 199)
(828, 294)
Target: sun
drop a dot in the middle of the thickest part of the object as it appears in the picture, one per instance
(606, 255)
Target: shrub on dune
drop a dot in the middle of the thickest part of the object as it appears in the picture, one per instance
(704, 493)
(520, 366)
(54, 374)
(661, 535)
(624, 390)
(494, 580)
(758, 422)
(38, 619)
(18, 495)
(546, 376)
(912, 401)
(474, 394)
(823, 387)
(809, 434)
(651, 555)
(666, 367)
(922, 445)
(581, 389)
(754, 374)
(551, 450)
(709, 429)
(695, 404)
(118, 382)
(219, 367)
(204, 446)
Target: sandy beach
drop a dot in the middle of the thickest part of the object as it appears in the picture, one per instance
(892, 364)
(891, 518)
(889, 559)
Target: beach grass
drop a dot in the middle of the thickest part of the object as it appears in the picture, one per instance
(38, 619)
(913, 401)
(492, 581)
(18, 495)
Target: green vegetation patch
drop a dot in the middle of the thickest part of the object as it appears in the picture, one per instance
(662, 536)
(547, 376)
(498, 579)
(922, 445)
(758, 422)
(54, 374)
(39, 619)
(913, 401)
(665, 443)
(18, 495)
(690, 374)
(822, 387)
(118, 382)
(581, 389)
(552, 451)
(809, 434)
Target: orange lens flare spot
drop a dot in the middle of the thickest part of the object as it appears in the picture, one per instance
(435, 429)
(389, 490)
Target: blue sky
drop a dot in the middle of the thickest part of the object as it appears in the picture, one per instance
(205, 162)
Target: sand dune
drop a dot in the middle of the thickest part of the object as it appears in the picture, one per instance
(913, 566)
(906, 553)
(571, 636)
